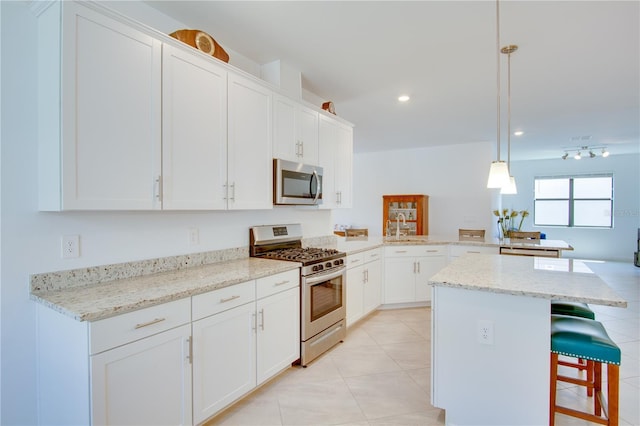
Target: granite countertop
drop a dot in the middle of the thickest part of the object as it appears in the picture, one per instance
(352, 246)
(558, 279)
(101, 300)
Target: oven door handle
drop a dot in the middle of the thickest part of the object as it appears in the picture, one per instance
(315, 279)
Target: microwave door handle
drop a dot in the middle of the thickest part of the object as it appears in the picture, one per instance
(315, 200)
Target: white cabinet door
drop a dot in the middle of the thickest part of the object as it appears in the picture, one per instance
(372, 286)
(295, 131)
(336, 157)
(147, 382)
(355, 294)
(249, 159)
(427, 266)
(307, 131)
(285, 138)
(100, 115)
(399, 280)
(194, 131)
(278, 337)
(327, 133)
(224, 361)
(344, 166)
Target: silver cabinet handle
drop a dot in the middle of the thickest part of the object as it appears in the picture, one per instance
(400, 251)
(233, 191)
(418, 263)
(283, 282)
(262, 319)
(229, 299)
(432, 251)
(354, 261)
(158, 188)
(469, 251)
(414, 267)
(148, 323)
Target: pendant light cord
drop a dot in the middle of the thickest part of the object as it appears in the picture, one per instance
(498, 71)
(509, 112)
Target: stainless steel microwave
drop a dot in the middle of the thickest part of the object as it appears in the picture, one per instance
(296, 183)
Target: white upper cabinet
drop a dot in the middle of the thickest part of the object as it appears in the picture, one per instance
(99, 112)
(249, 180)
(336, 158)
(194, 131)
(295, 131)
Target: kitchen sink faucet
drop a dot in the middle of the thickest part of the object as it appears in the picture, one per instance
(404, 222)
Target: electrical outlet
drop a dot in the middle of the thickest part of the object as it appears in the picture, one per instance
(485, 332)
(70, 246)
(194, 236)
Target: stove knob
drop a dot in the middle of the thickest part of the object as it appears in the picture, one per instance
(328, 264)
(316, 268)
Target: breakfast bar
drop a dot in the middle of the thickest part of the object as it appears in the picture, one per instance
(490, 334)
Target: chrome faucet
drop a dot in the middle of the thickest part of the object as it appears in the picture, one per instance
(404, 222)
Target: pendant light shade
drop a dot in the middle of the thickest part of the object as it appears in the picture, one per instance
(510, 188)
(498, 175)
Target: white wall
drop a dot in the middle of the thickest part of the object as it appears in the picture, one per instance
(618, 243)
(30, 240)
(454, 178)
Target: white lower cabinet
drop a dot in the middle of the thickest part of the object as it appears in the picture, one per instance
(242, 336)
(364, 284)
(224, 362)
(144, 378)
(147, 382)
(407, 272)
(278, 333)
(176, 363)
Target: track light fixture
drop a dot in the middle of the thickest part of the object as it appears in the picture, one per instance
(579, 150)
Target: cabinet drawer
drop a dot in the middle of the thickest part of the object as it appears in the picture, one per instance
(115, 331)
(276, 283)
(222, 299)
(354, 260)
(415, 250)
(457, 250)
(372, 255)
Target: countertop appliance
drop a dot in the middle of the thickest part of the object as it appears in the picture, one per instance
(296, 183)
(322, 280)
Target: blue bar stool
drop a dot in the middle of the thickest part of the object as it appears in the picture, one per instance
(575, 309)
(585, 338)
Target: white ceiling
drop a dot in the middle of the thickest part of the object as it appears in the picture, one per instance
(575, 75)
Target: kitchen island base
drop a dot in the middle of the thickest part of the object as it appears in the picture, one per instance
(479, 382)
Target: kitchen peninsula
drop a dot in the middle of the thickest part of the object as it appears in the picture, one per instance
(490, 334)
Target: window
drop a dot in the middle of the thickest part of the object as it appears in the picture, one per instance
(575, 201)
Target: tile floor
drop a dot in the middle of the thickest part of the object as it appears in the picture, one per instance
(380, 375)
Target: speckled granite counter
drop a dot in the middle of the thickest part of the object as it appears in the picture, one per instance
(356, 245)
(565, 279)
(91, 302)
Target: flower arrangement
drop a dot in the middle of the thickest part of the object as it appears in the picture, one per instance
(506, 220)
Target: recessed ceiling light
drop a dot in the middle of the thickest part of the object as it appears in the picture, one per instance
(403, 98)
(518, 133)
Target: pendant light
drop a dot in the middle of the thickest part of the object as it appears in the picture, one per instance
(499, 172)
(510, 188)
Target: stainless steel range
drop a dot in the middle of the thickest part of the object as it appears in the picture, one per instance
(322, 280)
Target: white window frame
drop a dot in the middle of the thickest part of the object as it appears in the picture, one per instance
(571, 200)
